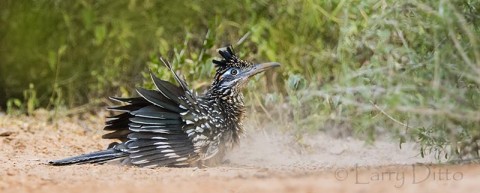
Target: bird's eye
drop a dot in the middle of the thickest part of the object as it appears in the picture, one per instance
(234, 72)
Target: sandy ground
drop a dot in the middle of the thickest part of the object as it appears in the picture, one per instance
(266, 161)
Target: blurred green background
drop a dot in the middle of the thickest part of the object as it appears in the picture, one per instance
(405, 69)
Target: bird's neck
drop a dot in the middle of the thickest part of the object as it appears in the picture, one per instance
(231, 101)
(232, 109)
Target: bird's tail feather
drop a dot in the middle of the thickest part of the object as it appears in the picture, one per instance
(94, 157)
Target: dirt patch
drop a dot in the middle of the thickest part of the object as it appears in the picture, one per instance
(266, 161)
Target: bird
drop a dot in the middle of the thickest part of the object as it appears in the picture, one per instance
(174, 126)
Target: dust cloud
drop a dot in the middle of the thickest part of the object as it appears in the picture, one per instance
(273, 149)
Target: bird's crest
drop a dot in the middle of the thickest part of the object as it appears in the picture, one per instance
(230, 59)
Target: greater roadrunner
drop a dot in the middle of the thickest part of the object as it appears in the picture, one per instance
(172, 125)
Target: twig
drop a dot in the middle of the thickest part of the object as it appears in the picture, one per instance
(243, 38)
(263, 108)
(390, 117)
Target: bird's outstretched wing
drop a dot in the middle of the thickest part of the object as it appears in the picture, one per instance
(162, 127)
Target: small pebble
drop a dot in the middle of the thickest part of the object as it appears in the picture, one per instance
(6, 133)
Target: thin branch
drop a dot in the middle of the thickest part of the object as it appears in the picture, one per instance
(390, 117)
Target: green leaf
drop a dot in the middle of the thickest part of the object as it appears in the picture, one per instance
(100, 34)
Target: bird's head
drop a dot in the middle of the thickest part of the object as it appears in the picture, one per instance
(232, 73)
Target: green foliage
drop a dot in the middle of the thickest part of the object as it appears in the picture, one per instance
(27, 105)
(365, 68)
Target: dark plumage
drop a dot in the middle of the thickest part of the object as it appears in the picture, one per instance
(172, 125)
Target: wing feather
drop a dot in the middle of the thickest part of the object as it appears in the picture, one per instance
(158, 99)
(153, 126)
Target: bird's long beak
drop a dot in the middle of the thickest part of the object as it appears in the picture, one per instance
(257, 68)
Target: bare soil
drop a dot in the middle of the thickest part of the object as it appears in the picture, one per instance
(266, 161)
